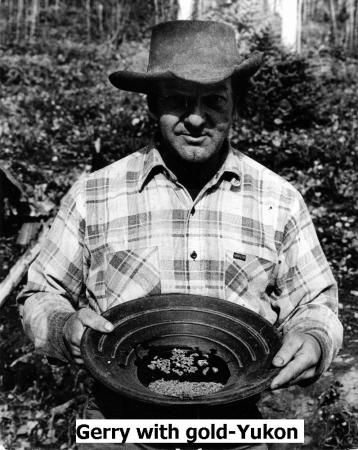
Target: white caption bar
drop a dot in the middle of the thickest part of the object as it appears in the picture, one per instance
(189, 431)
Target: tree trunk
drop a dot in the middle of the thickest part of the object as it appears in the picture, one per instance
(355, 36)
(156, 12)
(186, 9)
(117, 24)
(291, 24)
(10, 19)
(304, 11)
(172, 9)
(332, 11)
(88, 19)
(20, 12)
(119, 14)
(100, 18)
(299, 26)
(45, 27)
(271, 6)
(57, 6)
(33, 20)
(350, 25)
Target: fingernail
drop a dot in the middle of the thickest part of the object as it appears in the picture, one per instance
(278, 361)
(108, 326)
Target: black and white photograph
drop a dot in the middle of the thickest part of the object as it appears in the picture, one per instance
(178, 224)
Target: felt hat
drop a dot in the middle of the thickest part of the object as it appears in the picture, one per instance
(200, 51)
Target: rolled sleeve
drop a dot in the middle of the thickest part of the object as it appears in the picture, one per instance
(308, 300)
(56, 279)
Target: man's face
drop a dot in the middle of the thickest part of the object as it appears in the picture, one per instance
(194, 119)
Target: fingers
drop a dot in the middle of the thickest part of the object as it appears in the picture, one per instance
(299, 356)
(301, 380)
(76, 354)
(293, 371)
(304, 376)
(75, 332)
(290, 346)
(75, 326)
(93, 320)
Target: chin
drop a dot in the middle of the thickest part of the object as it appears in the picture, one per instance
(194, 154)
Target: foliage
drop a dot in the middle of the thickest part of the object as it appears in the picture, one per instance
(57, 106)
(249, 19)
(109, 22)
(304, 125)
(300, 120)
(31, 390)
(337, 424)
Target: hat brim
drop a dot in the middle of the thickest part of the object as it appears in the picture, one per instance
(144, 82)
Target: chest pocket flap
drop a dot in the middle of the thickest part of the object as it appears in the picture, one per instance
(132, 274)
(249, 270)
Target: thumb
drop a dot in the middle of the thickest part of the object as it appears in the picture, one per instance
(291, 344)
(91, 319)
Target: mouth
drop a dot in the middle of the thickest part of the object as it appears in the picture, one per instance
(194, 140)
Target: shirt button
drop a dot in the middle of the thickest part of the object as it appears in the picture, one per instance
(193, 255)
(192, 212)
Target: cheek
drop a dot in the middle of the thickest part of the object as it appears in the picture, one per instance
(223, 123)
(167, 122)
(222, 119)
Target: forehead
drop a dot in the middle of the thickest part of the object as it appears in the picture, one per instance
(192, 88)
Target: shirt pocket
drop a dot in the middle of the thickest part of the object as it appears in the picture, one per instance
(248, 273)
(131, 274)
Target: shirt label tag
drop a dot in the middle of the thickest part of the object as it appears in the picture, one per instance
(239, 256)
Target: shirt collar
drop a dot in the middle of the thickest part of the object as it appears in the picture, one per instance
(231, 165)
(153, 161)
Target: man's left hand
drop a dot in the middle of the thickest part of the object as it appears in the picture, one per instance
(299, 356)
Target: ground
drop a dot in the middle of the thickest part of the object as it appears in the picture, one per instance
(329, 406)
(39, 402)
(48, 135)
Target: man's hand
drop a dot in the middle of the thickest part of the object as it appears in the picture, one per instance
(299, 356)
(75, 326)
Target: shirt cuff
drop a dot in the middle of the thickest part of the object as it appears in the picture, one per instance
(326, 355)
(56, 337)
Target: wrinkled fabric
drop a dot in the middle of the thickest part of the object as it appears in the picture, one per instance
(131, 230)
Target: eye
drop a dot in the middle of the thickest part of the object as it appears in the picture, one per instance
(215, 101)
(175, 101)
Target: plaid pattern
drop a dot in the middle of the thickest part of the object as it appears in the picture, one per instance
(131, 230)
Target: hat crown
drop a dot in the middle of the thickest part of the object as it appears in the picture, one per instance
(194, 50)
(184, 47)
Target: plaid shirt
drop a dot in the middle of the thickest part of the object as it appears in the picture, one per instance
(131, 230)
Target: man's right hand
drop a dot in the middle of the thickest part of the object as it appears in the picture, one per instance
(75, 326)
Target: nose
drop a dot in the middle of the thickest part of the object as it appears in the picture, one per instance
(195, 118)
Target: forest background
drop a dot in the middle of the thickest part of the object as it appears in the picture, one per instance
(60, 118)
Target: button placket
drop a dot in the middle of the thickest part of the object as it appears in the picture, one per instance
(193, 238)
(192, 242)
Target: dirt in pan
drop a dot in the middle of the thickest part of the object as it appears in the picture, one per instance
(182, 372)
(185, 389)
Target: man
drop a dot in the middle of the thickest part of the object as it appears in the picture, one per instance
(188, 214)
